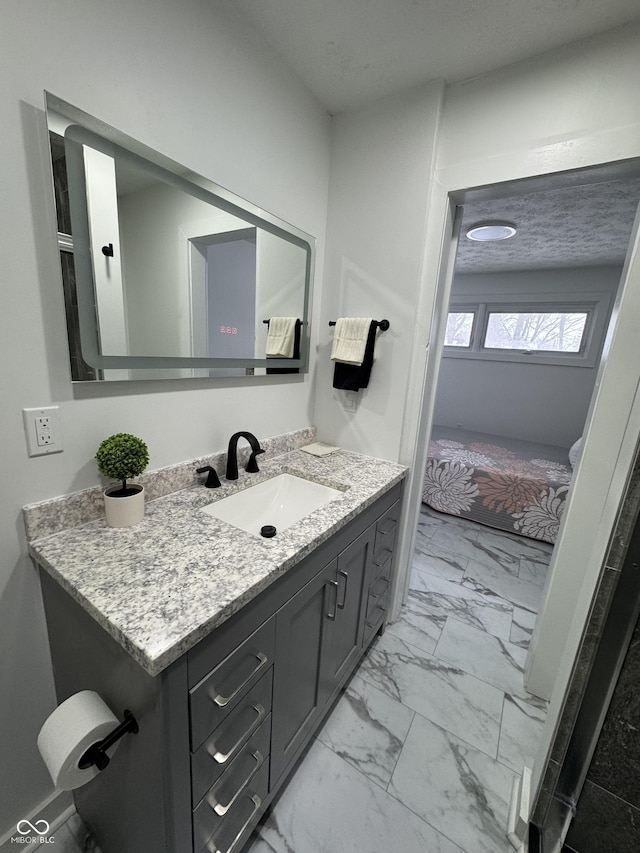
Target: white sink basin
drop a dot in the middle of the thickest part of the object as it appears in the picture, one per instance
(279, 502)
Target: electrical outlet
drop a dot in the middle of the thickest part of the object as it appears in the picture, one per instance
(44, 435)
(42, 430)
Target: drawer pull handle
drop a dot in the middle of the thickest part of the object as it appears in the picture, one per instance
(372, 622)
(376, 595)
(222, 701)
(223, 757)
(390, 525)
(332, 616)
(341, 604)
(381, 560)
(220, 808)
(212, 847)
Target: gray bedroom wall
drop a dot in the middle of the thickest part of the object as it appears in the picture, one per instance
(533, 402)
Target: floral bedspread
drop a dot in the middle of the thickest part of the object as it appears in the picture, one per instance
(513, 485)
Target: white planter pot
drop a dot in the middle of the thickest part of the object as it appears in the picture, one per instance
(124, 511)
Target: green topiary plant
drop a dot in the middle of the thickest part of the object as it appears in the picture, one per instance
(120, 457)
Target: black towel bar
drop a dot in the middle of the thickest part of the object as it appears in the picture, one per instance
(301, 322)
(383, 325)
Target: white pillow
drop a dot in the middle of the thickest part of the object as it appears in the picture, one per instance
(574, 451)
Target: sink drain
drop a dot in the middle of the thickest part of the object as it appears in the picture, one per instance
(268, 531)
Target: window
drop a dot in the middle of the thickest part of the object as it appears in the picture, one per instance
(542, 331)
(555, 331)
(459, 327)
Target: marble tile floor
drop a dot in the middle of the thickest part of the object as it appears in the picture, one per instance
(420, 752)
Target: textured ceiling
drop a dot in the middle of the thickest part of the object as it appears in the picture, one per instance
(348, 52)
(579, 226)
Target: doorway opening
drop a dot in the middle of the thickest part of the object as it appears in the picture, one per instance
(473, 596)
(222, 273)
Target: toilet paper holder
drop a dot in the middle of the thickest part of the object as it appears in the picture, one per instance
(97, 752)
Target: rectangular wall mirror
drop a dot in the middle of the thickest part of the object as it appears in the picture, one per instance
(165, 274)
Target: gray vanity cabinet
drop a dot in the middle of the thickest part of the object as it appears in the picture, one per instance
(222, 727)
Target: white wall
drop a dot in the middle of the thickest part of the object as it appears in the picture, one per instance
(534, 402)
(381, 165)
(192, 81)
(569, 108)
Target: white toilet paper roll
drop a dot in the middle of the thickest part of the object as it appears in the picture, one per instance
(75, 725)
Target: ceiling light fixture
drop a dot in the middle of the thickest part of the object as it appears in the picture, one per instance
(484, 232)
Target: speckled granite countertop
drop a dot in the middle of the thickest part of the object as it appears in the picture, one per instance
(160, 587)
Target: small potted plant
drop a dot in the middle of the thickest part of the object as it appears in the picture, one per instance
(120, 457)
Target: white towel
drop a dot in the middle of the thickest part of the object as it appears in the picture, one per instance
(281, 337)
(350, 339)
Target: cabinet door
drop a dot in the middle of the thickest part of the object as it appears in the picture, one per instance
(343, 637)
(299, 692)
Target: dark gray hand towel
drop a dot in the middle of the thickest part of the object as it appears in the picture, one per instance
(350, 377)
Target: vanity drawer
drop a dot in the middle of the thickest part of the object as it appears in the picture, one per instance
(238, 726)
(382, 565)
(208, 764)
(220, 799)
(219, 692)
(215, 834)
(377, 602)
(386, 528)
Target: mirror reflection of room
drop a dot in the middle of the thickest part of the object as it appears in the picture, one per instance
(170, 275)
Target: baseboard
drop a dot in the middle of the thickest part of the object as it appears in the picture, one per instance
(54, 810)
(518, 826)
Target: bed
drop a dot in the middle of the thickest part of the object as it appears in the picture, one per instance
(512, 485)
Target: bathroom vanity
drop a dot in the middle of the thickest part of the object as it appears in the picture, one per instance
(229, 649)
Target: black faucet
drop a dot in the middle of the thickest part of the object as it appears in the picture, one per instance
(232, 455)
